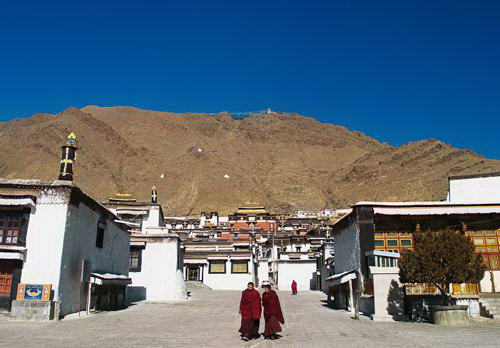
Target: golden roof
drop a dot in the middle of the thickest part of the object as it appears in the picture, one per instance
(252, 208)
(122, 197)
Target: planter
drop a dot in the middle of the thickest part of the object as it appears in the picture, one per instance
(450, 315)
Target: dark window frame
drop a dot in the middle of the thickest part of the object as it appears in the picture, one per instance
(239, 262)
(392, 243)
(99, 239)
(13, 224)
(138, 267)
(211, 262)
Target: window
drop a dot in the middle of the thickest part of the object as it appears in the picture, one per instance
(406, 242)
(297, 249)
(491, 241)
(392, 242)
(135, 260)
(478, 241)
(217, 266)
(99, 240)
(239, 267)
(10, 226)
(379, 243)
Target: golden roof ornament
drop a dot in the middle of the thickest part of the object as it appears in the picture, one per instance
(71, 139)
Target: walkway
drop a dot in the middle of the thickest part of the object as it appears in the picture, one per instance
(211, 319)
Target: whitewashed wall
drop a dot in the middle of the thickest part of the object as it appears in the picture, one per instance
(80, 244)
(45, 239)
(301, 272)
(475, 190)
(263, 271)
(158, 273)
(228, 280)
(486, 281)
(153, 219)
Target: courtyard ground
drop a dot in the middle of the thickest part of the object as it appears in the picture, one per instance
(210, 318)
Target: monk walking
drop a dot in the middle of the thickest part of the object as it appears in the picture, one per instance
(250, 310)
(272, 313)
(294, 287)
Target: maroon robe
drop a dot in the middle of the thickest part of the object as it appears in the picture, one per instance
(272, 313)
(294, 287)
(250, 309)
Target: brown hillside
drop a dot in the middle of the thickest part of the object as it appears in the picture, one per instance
(286, 161)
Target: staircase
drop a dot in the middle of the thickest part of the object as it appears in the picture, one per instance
(490, 303)
(193, 285)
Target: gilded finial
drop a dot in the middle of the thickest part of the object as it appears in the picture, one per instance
(71, 139)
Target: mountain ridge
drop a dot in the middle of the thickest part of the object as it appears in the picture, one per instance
(214, 162)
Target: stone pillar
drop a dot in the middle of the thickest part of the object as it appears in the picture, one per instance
(388, 294)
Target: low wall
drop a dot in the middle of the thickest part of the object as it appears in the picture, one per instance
(34, 310)
(450, 315)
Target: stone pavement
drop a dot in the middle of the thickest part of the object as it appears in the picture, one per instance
(211, 319)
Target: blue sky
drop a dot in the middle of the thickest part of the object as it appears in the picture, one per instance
(396, 70)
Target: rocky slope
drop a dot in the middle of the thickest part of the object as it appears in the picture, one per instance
(203, 162)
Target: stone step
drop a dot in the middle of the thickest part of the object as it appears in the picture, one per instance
(490, 300)
(490, 304)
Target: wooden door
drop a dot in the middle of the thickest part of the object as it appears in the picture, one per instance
(5, 284)
(10, 274)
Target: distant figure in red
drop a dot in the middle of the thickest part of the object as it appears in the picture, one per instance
(294, 287)
(250, 310)
(272, 313)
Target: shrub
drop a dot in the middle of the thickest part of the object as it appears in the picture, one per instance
(440, 258)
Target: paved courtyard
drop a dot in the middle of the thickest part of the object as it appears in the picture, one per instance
(211, 318)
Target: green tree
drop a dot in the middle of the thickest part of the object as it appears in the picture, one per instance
(440, 258)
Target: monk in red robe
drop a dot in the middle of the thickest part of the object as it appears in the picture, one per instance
(272, 313)
(294, 287)
(250, 310)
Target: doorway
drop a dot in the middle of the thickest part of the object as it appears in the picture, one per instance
(193, 273)
(10, 275)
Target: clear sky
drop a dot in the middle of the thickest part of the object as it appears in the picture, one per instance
(396, 70)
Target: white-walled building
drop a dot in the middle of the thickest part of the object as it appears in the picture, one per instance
(51, 233)
(291, 258)
(475, 188)
(156, 254)
(155, 266)
(220, 264)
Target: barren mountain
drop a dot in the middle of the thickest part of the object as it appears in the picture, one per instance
(202, 162)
